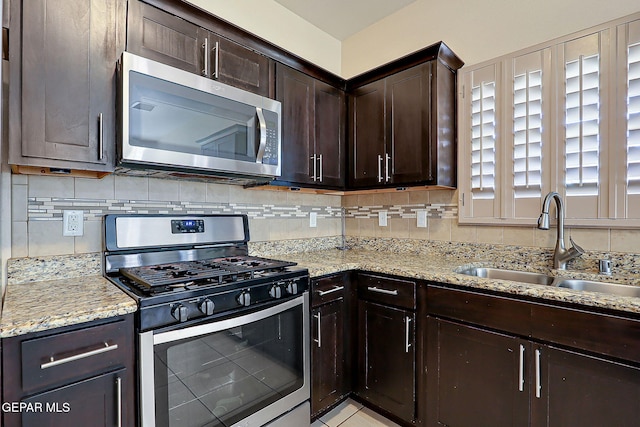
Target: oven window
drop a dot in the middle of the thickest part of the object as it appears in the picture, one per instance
(220, 378)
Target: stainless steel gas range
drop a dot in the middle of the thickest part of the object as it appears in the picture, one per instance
(223, 337)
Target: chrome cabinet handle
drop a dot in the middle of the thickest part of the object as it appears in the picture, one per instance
(379, 168)
(100, 137)
(387, 166)
(263, 135)
(205, 48)
(216, 61)
(382, 291)
(407, 322)
(538, 375)
(521, 370)
(319, 340)
(119, 401)
(330, 291)
(315, 172)
(73, 358)
(320, 178)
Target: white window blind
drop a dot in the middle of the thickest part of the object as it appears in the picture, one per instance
(527, 134)
(633, 119)
(582, 125)
(483, 140)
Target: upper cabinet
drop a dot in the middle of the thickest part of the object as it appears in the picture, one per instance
(402, 129)
(313, 130)
(62, 95)
(161, 36)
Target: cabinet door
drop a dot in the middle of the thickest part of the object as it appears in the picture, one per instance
(327, 355)
(66, 67)
(386, 358)
(238, 66)
(330, 111)
(295, 91)
(367, 131)
(97, 401)
(580, 390)
(475, 377)
(409, 117)
(158, 35)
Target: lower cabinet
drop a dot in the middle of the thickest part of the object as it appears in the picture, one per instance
(82, 375)
(329, 342)
(478, 377)
(386, 345)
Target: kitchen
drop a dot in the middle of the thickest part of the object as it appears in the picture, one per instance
(285, 216)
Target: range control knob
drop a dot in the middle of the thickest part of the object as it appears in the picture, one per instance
(244, 298)
(275, 292)
(180, 313)
(206, 306)
(292, 288)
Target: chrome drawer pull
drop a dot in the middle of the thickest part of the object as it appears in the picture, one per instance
(330, 291)
(101, 350)
(383, 291)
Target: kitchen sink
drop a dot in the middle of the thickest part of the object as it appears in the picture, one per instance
(505, 274)
(603, 287)
(560, 282)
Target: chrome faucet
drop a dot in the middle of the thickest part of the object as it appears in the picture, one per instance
(561, 255)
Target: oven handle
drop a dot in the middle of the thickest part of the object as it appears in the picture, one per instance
(217, 326)
(263, 135)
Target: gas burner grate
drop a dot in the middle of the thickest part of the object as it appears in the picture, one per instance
(190, 274)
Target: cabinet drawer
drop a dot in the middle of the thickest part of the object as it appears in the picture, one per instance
(73, 355)
(388, 291)
(328, 289)
(490, 311)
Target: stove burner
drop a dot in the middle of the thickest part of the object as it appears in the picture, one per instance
(190, 274)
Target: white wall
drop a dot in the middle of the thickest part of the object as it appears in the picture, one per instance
(475, 30)
(278, 25)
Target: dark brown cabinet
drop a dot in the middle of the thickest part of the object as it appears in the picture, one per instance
(502, 378)
(62, 96)
(79, 375)
(386, 349)
(161, 36)
(402, 128)
(329, 345)
(313, 130)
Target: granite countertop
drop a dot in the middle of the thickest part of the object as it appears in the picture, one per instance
(443, 269)
(33, 305)
(81, 294)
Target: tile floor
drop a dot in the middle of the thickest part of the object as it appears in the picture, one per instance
(352, 414)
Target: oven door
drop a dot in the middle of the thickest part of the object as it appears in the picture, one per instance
(248, 369)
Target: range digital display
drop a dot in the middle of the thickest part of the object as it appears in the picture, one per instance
(179, 226)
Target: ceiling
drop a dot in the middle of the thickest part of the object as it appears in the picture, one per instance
(343, 18)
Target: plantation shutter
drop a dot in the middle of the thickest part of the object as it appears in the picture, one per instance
(481, 140)
(582, 126)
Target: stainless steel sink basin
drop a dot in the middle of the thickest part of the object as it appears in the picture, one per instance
(603, 287)
(504, 274)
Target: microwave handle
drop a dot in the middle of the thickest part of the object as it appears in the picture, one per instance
(263, 135)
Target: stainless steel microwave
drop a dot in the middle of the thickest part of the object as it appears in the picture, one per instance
(175, 120)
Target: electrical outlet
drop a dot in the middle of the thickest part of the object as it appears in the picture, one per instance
(313, 219)
(382, 218)
(72, 223)
(422, 219)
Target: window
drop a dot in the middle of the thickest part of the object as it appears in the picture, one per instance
(562, 116)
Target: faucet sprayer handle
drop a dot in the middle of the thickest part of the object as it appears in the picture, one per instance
(575, 246)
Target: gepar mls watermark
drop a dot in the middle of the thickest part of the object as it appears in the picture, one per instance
(37, 407)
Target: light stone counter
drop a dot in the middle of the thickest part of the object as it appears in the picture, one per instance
(442, 268)
(78, 294)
